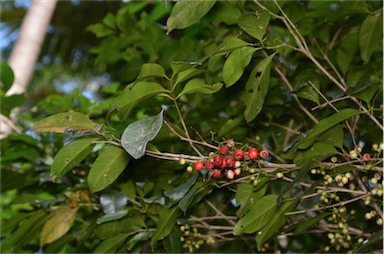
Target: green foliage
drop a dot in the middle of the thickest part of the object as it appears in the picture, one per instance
(299, 81)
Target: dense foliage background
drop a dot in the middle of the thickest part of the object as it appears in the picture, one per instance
(301, 81)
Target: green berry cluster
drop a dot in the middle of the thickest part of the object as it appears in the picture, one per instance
(192, 239)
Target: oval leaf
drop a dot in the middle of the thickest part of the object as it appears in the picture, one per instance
(235, 64)
(179, 192)
(64, 121)
(71, 155)
(257, 216)
(325, 124)
(198, 85)
(167, 220)
(113, 203)
(370, 37)
(131, 96)
(136, 136)
(255, 26)
(256, 88)
(111, 244)
(107, 167)
(6, 77)
(186, 13)
(58, 225)
(151, 70)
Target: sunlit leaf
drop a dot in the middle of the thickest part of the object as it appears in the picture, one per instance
(200, 86)
(186, 13)
(136, 136)
(246, 196)
(113, 203)
(151, 70)
(71, 155)
(255, 25)
(58, 225)
(235, 64)
(107, 168)
(64, 121)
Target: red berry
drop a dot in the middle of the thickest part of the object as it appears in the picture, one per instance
(230, 162)
(198, 165)
(224, 163)
(208, 164)
(217, 161)
(216, 173)
(224, 149)
(239, 154)
(366, 156)
(253, 153)
(264, 153)
(230, 174)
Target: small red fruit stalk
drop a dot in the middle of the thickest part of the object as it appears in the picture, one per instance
(253, 153)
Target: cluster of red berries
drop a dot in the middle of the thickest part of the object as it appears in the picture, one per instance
(227, 160)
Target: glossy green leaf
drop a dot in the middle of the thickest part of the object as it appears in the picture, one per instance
(200, 86)
(64, 121)
(258, 216)
(366, 88)
(230, 44)
(188, 198)
(256, 88)
(132, 95)
(179, 192)
(255, 25)
(113, 203)
(235, 64)
(107, 168)
(71, 155)
(6, 77)
(325, 124)
(27, 231)
(136, 136)
(111, 244)
(167, 220)
(142, 236)
(308, 223)
(187, 74)
(371, 35)
(186, 13)
(172, 243)
(132, 223)
(111, 216)
(151, 70)
(58, 224)
(246, 195)
(274, 224)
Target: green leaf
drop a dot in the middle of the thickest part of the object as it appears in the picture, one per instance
(230, 44)
(308, 223)
(187, 74)
(258, 215)
(346, 50)
(179, 192)
(6, 77)
(111, 216)
(227, 12)
(136, 136)
(366, 88)
(111, 244)
(199, 86)
(274, 224)
(307, 91)
(167, 220)
(255, 25)
(367, 246)
(132, 95)
(151, 70)
(71, 155)
(235, 64)
(325, 124)
(186, 13)
(230, 125)
(58, 225)
(64, 121)
(25, 233)
(246, 196)
(371, 35)
(107, 167)
(132, 223)
(10, 102)
(333, 136)
(187, 199)
(172, 243)
(113, 203)
(100, 30)
(317, 152)
(137, 238)
(256, 88)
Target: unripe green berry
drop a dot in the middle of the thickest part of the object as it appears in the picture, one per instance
(182, 161)
(367, 216)
(189, 169)
(334, 159)
(279, 175)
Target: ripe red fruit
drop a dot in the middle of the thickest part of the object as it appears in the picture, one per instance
(198, 165)
(224, 149)
(253, 153)
(239, 154)
(264, 154)
(217, 161)
(216, 173)
(230, 162)
(224, 163)
(208, 164)
(230, 174)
